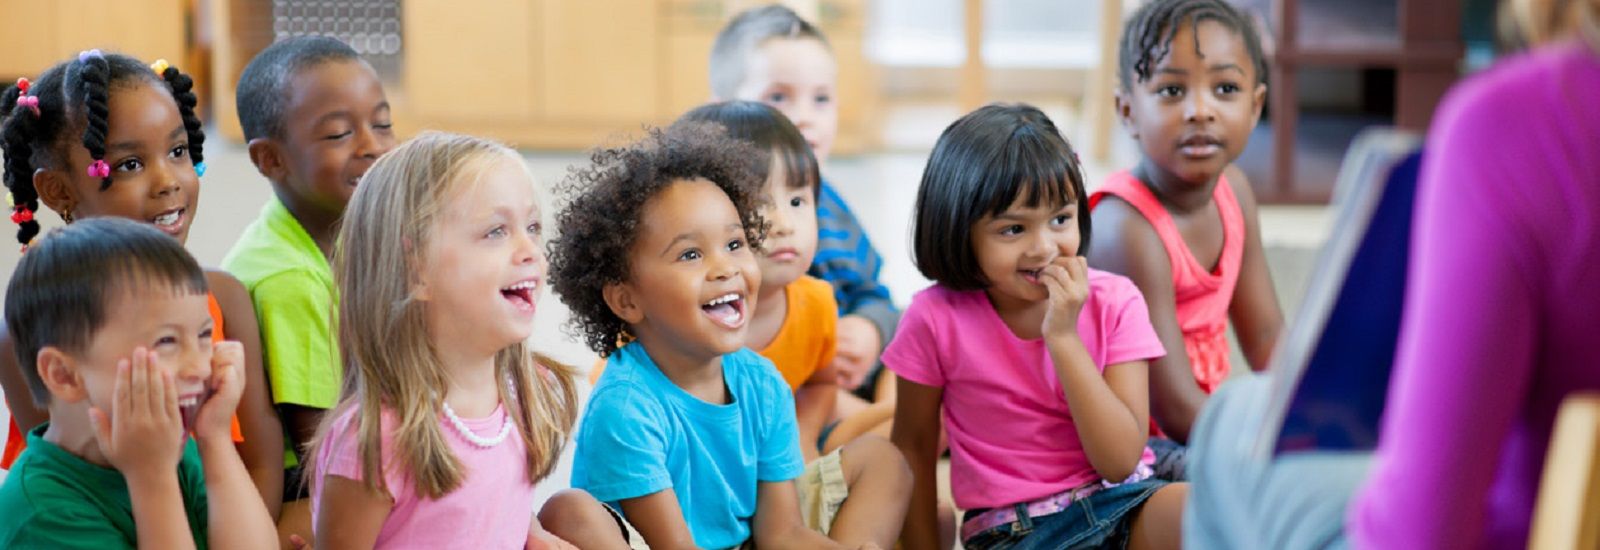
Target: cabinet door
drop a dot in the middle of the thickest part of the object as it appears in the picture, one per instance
(600, 62)
(148, 30)
(27, 38)
(471, 64)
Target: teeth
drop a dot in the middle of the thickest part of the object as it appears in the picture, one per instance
(169, 218)
(188, 401)
(726, 298)
(525, 285)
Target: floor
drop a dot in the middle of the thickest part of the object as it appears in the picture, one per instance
(879, 187)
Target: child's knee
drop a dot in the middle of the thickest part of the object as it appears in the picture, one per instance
(877, 459)
(574, 509)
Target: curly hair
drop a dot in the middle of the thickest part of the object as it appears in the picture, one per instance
(1147, 36)
(606, 200)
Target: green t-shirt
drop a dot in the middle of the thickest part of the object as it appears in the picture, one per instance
(54, 499)
(292, 287)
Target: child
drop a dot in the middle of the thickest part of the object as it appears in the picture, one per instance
(316, 118)
(1182, 224)
(139, 157)
(771, 55)
(448, 419)
(690, 435)
(113, 467)
(793, 321)
(1037, 362)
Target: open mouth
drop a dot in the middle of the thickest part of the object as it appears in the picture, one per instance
(170, 221)
(521, 295)
(189, 408)
(726, 310)
(1031, 275)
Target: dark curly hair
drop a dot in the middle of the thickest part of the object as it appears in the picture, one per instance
(1147, 36)
(73, 99)
(606, 200)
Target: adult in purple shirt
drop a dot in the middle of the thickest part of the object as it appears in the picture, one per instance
(1502, 304)
(1504, 301)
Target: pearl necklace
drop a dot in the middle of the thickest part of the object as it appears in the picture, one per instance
(475, 439)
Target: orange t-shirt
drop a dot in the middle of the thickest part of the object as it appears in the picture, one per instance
(805, 343)
(806, 340)
(16, 442)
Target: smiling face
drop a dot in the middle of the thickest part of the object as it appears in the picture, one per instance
(336, 125)
(152, 177)
(1195, 113)
(484, 265)
(694, 274)
(791, 243)
(1014, 245)
(176, 325)
(798, 77)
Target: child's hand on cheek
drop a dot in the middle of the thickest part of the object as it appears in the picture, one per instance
(215, 420)
(1067, 280)
(144, 412)
(856, 350)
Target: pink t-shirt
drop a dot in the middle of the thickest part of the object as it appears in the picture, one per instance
(1012, 438)
(493, 507)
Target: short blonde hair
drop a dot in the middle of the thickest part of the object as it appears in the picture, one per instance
(1534, 22)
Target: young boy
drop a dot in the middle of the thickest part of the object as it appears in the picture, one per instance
(114, 466)
(692, 436)
(1182, 224)
(316, 118)
(771, 55)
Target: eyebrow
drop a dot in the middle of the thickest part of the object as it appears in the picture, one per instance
(134, 145)
(680, 237)
(1227, 66)
(1070, 206)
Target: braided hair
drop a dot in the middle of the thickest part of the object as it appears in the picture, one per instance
(71, 95)
(1147, 36)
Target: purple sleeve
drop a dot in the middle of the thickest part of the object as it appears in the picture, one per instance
(1467, 338)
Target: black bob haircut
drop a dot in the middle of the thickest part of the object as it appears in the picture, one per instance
(767, 129)
(263, 93)
(1147, 36)
(63, 289)
(981, 165)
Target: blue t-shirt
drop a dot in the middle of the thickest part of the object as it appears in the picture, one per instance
(642, 434)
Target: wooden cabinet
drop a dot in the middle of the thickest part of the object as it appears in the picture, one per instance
(36, 34)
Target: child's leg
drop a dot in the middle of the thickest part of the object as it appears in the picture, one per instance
(579, 519)
(876, 419)
(879, 484)
(1160, 521)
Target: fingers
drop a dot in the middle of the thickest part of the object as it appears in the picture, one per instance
(168, 397)
(1078, 268)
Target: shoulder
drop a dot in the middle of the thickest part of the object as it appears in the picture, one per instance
(294, 284)
(230, 294)
(622, 390)
(814, 294)
(1112, 290)
(750, 368)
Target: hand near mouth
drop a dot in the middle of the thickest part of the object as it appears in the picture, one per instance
(215, 419)
(144, 409)
(1067, 281)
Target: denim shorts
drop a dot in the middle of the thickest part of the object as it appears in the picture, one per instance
(1102, 520)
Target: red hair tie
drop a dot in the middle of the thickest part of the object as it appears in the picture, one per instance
(21, 215)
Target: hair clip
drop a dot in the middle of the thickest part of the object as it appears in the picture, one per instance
(99, 169)
(199, 169)
(31, 102)
(160, 66)
(86, 55)
(23, 85)
(21, 215)
(10, 201)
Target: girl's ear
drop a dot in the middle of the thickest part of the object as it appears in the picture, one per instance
(1124, 104)
(1258, 100)
(60, 374)
(620, 297)
(55, 190)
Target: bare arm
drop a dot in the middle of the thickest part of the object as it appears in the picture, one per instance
(813, 404)
(778, 523)
(262, 448)
(302, 423)
(350, 516)
(1257, 319)
(1124, 243)
(237, 516)
(659, 520)
(916, 433)
(19, 399)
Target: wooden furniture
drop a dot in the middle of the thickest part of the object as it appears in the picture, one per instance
(1567, 514)
(36, 34)
(1417, 41)
(557, 74)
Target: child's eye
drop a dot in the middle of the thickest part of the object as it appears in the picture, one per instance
(205, 335)
(167, 341)
(338, 136)
(179, 152)
(497, 232)
(735, 244)
(823, 99)
(129, 165)
(1228, 88)
(777, 97)
(797, 201)
(385, 126)
(1169, 91)
(689, 255)
(1011, 230)
(1063, 219)
(535, 229)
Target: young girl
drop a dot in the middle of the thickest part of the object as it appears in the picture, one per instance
(1037, 361)
(138, 157)
(447, 418)
(1182, 224)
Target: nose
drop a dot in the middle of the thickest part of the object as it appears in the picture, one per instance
(193, 365)
(368, 143)
(1042, 247)
(722, 266)
(166, 177)
(528, 250)
(780, 220)
(1199, 109)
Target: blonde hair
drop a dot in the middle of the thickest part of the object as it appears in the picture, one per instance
(389, 360)
(1534, 22)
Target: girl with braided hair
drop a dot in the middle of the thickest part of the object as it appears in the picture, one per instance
(107, 135)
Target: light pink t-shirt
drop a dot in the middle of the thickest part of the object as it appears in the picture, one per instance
(493, 507)
(1012, 438)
